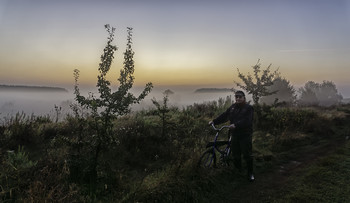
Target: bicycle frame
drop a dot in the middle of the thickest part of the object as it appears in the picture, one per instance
(208, 158)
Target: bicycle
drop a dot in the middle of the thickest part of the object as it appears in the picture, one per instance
(208, 158)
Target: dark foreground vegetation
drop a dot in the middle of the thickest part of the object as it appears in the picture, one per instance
(301, 154)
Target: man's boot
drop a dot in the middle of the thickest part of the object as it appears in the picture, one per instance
(251, 177)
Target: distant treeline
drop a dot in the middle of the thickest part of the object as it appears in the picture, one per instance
(31, 88)
(210, 90)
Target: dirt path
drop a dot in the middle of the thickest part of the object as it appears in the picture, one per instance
(268, 184)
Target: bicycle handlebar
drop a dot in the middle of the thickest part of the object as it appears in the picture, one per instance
(219, 129)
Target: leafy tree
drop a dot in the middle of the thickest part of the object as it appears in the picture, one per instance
(285, 92)
(109, 105)
(328, 94)
(308, 95)
(257, 87)
(324, 94)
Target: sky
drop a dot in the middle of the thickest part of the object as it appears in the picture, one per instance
(193, 42)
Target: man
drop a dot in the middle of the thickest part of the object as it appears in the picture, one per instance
(240, 115)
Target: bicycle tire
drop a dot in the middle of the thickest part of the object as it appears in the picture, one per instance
(207, 159)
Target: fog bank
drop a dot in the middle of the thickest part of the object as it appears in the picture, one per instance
(43, 103)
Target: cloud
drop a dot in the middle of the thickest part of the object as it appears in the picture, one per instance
(304, 50)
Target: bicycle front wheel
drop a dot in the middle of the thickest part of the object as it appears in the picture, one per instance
(208, 159)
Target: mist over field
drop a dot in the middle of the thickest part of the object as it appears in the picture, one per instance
(38, 103)
(43, 103)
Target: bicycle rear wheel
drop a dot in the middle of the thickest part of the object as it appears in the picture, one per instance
(208, 159)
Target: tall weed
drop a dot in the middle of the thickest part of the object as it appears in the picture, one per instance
(22, 130)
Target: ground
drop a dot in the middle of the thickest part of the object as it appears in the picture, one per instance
(281, 182)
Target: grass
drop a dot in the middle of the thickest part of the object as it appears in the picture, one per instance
(142, 165)
(327, 180)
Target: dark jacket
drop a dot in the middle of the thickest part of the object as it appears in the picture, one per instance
(240, 115)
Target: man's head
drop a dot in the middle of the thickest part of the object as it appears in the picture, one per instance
(240, 97)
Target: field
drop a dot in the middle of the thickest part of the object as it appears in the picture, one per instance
(301, 154)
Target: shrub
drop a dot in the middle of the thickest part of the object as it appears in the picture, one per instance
(281, 119)
(15, 174)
